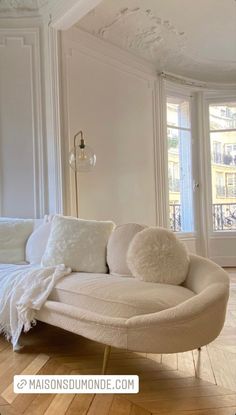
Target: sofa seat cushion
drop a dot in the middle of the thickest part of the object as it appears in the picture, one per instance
(117, 296)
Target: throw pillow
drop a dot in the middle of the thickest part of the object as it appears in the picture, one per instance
(37, 243)
(13, 236)
(156, 255)
(77, 243)
(118, 246)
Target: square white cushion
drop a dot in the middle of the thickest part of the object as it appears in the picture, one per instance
(77, 243)
(13, 237)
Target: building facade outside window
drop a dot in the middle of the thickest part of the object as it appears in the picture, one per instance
(179, 137)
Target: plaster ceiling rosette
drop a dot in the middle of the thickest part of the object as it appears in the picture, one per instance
(192, 39)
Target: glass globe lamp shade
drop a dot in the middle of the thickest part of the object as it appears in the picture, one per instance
(82, 159)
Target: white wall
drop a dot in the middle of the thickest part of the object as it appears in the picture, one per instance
(113, 104)
(22, 172)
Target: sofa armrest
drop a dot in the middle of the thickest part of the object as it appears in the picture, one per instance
(203, 273)
(211, 300)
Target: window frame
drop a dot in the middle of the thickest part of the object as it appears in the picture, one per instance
(184, 92)
(213, 99)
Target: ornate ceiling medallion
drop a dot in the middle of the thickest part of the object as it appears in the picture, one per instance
(140, 31)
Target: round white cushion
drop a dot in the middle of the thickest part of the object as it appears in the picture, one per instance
(156, 255)
(118, 245)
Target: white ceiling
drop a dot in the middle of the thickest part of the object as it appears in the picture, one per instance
(20, 6)
(196, 39)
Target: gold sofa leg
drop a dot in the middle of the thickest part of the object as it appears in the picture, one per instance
(106, 356)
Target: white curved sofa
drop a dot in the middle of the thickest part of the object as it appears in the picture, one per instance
(124, 312)
(195, 320)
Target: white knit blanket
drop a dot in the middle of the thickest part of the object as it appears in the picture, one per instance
(23, 290)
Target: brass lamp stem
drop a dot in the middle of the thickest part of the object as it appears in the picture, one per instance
(81, 145)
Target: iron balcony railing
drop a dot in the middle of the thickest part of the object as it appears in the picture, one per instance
(174, 185)
(223, 215)
(175, 217)
(222, 158)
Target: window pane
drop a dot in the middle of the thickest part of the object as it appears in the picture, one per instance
(180, 180)
(223, 172)
(223, 117)
(178, 112)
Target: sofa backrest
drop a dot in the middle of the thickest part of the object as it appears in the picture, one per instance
(14, 233)
(23, 240)
(38, 222)
(118, 245)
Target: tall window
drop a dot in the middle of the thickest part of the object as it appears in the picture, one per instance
(223, 165)
(179, 164)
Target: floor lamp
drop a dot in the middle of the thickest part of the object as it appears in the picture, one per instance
(81, 159)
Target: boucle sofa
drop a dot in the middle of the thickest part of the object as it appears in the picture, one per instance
(122, 311)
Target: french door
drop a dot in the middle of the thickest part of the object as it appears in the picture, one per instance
(222, 182)
(201, 156)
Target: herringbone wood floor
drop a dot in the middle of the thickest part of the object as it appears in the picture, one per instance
(192, 383)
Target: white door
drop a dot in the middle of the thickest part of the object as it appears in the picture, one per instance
(202, 173)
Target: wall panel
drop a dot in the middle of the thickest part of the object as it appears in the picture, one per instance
(22, 183)
(113, 105)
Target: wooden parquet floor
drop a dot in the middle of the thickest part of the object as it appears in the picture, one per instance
(192, 383)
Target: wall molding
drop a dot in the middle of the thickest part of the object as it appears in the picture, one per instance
(29, 38)
(161, 163)
(62, 14)
(110, 54)
(54, 119)
(77, 41)
(69, 196)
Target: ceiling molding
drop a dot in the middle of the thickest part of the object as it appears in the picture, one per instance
(195, 84)
(113, 55)
(146, 38)
(16, 8)
(63, 14)
(193, 44)
(142, 38)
